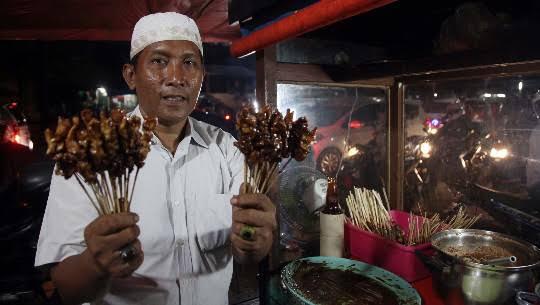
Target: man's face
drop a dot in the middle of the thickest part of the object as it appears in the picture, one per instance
(167, 78)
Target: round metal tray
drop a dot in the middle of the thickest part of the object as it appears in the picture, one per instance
(404, 292)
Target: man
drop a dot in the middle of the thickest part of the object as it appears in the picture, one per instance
(186, 223)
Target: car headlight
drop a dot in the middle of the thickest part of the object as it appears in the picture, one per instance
(499, 153)
(352, 152)
(318, 137)
(425, 149)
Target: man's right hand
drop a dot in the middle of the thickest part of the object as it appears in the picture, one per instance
(105, 237)
(83, 277)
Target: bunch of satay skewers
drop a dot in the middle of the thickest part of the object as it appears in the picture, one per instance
(422, 228)
(101, 153)
(267, 137)
(368, 212)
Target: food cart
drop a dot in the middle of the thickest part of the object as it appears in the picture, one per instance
(436, 104)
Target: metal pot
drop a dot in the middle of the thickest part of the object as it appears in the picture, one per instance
(456, 276)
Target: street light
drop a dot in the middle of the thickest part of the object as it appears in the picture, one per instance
(102, 91)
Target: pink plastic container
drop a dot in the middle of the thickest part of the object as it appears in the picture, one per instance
(394, 257)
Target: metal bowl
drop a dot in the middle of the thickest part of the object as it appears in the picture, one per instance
(468, 240)
(480, 283)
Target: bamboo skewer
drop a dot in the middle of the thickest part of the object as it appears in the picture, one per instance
(126, 183)
(98, 207)
(110, 195)
(259, 178)
(266, 183)
(132, 189)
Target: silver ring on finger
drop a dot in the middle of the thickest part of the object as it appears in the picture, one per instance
(128, 253)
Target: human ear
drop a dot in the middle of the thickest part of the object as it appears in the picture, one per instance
(128, 71)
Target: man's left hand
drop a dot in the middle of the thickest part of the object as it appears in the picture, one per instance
(257, 211)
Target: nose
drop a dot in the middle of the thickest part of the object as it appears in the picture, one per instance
(175, 76)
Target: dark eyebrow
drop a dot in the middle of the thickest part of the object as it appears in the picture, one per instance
(160, 52)
(165, 53)
(190, 54)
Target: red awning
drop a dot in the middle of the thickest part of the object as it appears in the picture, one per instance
(317, 15)
(105, 19)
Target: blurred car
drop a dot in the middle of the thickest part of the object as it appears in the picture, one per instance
(330, 141)
(13, 125)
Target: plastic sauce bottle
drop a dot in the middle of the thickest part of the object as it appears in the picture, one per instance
(332, 221)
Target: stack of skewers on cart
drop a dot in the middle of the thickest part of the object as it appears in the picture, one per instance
(370, 212)
(393, 239)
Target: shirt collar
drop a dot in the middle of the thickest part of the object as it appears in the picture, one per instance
(192, 129)
(195, 133)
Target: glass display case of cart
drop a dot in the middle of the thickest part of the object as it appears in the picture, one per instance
(483, 151)
(349, 144)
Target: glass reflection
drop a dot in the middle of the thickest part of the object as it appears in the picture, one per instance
(350, 144)
(483, 142)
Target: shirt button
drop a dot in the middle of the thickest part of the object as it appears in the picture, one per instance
(179, 243)
(176, 203)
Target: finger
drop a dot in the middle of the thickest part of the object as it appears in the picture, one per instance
(105, 260)
(133, 265)
(260, 233)
(253, 201)
(237, 228)
(244, 245)
(138, 246)
(253, 217)
(240, 252)
(112, 223)
(130, 251)
(121, 268)
(122, 238)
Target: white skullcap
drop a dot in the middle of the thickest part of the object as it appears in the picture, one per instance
(163, 26)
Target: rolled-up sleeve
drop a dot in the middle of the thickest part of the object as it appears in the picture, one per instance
(67, 213)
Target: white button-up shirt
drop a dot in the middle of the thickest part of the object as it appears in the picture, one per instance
(183, 202)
